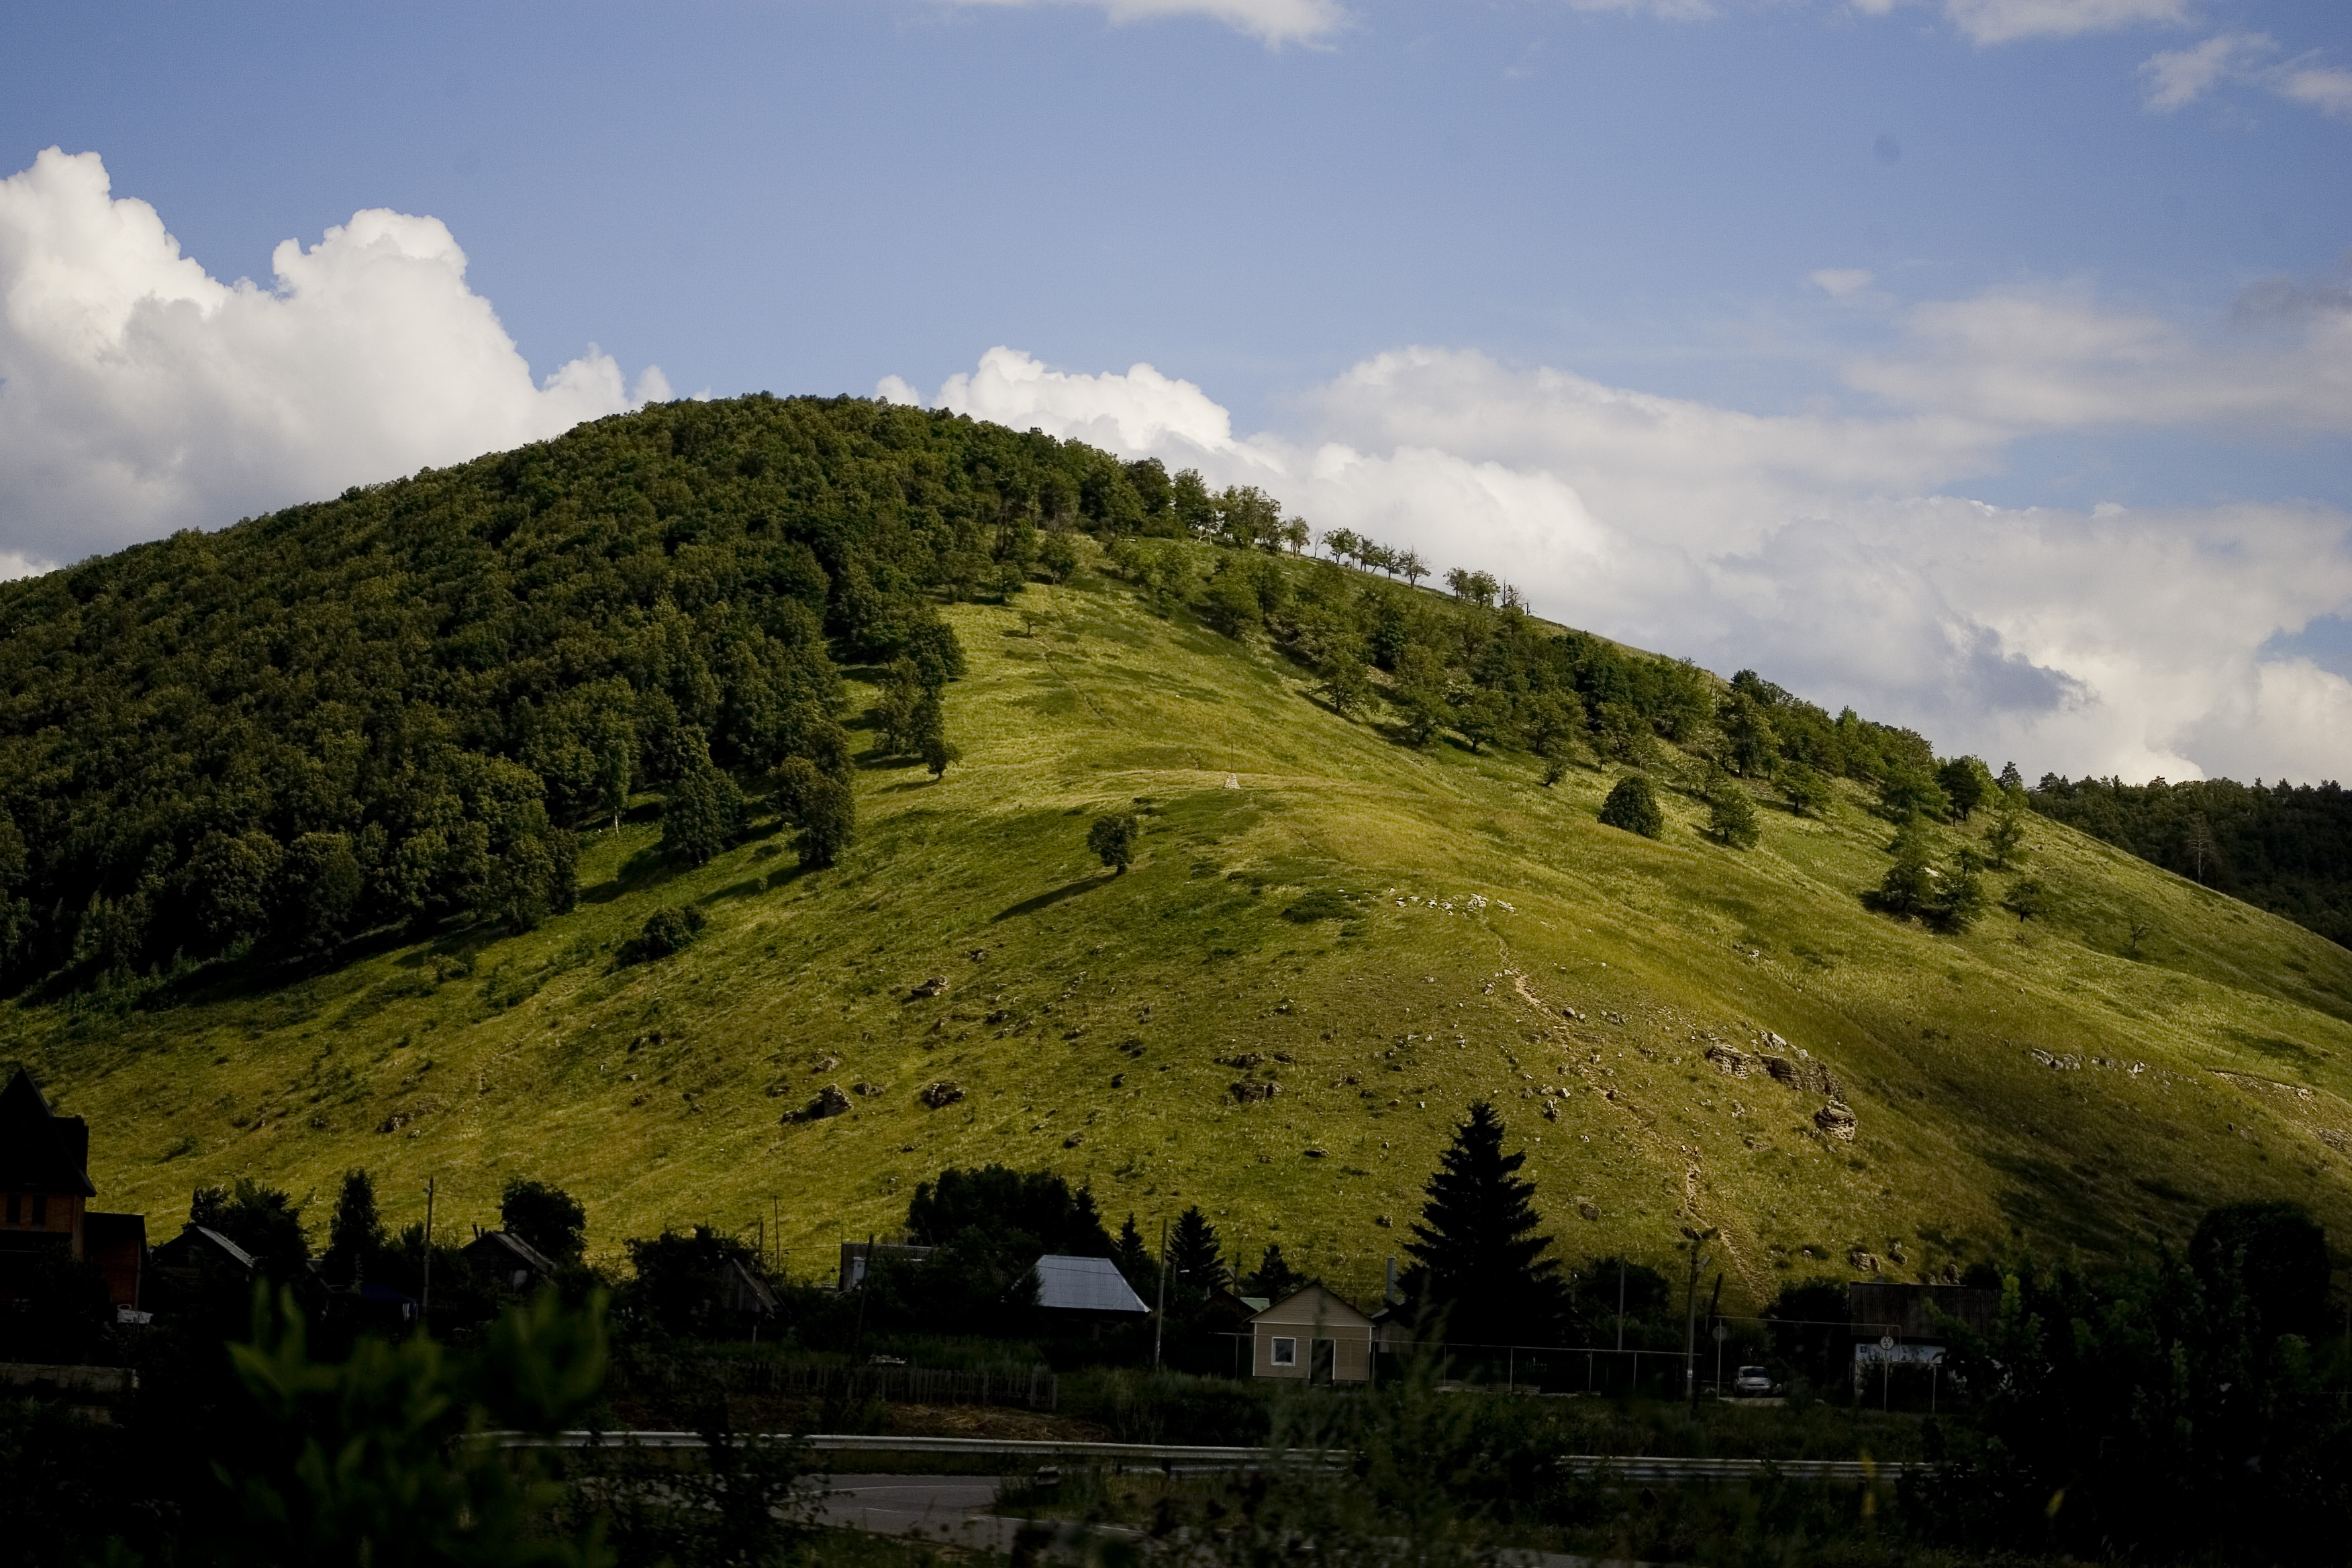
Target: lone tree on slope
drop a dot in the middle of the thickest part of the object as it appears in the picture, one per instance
(1478, 1241)
(1632, 805)
(1112, 838)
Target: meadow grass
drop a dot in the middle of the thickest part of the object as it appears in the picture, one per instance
(1390, 932)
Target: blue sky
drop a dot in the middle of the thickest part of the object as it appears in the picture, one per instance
(1675, 201)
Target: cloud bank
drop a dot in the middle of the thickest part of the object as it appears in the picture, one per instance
(1826, 550)
(139, 395)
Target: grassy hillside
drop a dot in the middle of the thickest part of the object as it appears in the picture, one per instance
(1388, 932)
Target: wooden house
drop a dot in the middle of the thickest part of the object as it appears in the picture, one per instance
(45, 1193)
(1314, 1335)
(515, 1263)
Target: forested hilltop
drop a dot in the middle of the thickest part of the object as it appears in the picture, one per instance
(2282, 848)
(398, 708)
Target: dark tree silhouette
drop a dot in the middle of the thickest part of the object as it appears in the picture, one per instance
(1478, 1242)
(1112, 838)
(545, 1215)
(1196, 1263)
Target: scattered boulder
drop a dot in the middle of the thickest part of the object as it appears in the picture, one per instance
(829, 1102)
(862, 1087)
(940, 1095)
(822, 1063)
(1588, 1208)
(1730, 1062)
(1074, 1140)
(1864, 1262)
(1835, 1120)
(1247, 1092)
(1244, 1060)
(932, 987)
(1804, 1074)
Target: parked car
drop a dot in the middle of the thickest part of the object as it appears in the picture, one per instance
(1753, 1383)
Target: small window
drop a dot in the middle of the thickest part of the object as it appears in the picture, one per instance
(15, 1208)
(41, 1208)
(1286, 1353)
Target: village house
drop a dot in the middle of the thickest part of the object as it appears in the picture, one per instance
(1314, 1335)
(514, 1263)
(45, 1193)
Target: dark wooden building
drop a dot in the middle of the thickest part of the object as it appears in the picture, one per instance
(45, 1193)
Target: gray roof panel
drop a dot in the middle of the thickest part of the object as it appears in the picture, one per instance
(1084, 1285)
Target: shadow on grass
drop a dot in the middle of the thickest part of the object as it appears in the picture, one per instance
(751, 887)
(1046, 901)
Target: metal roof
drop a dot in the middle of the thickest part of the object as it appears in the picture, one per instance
(1084, 1285)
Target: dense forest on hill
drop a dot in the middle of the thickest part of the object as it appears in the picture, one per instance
(2282, 848)
(396, 710)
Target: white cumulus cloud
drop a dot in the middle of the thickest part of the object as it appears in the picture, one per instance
(1273, 21)
(2178, 78)
(139, 395)
(1825, 551)
(2005, 21)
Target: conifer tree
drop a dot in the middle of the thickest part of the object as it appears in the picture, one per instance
(1196, 1263)
(356, 1233)
(1478, 1241)
(1134, 1258)
(1274, 1279)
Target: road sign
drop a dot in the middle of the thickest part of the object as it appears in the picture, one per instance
(1722, 1333)
(1886, 1341)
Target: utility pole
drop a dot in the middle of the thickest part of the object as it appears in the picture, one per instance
(1722, 1333)
(864, 1284)
(424, 1308)
(1698, 1240)
(1159, 1318)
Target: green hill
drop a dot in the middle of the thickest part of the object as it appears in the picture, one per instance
(1330, 941)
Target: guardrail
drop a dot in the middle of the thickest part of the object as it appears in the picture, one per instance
(1619, 1467)
(1669, 1467)
(865, 1443)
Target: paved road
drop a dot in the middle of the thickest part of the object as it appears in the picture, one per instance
(954, 1510)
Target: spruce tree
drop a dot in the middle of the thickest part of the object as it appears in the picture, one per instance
(355, 1235)
(1480, 1251)
(1134, 1258)
(1274, 1279)
(1196, 1263)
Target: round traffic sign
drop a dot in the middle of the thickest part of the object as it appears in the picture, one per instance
(1886, 1341)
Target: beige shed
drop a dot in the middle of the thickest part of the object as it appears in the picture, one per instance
(1314, 1335)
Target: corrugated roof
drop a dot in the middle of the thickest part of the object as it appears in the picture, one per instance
(1084, 1285)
